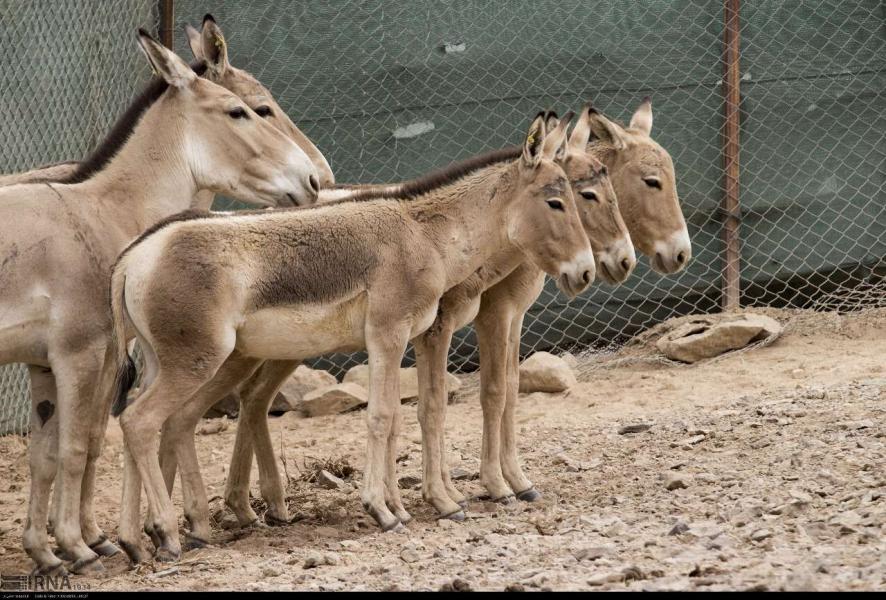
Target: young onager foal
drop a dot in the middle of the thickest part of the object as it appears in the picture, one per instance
(210, 298)
(183, 134)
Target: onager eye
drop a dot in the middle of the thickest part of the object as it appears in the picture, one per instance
(590, 195)
(653, 182)
(556, 205)
(264, 111)
(238, 113)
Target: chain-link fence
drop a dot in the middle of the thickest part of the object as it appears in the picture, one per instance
(388, 90)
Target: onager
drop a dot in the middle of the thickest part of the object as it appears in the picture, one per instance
(614, 257)
(210, 297)
(643, 177)
(183, 134)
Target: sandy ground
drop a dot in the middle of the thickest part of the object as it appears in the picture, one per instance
(776, 457)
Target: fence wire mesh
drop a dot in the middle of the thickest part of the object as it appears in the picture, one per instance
(388, 90)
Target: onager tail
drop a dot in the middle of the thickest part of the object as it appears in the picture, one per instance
(126, 372)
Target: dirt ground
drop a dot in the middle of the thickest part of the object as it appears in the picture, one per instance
(775, 457)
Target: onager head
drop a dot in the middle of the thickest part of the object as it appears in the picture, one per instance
(544, 221)
(596, 199)
(643, 176)
(209, 45)
(229, 148)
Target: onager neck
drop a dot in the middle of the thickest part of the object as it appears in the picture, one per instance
(465, 221)
(150, 177)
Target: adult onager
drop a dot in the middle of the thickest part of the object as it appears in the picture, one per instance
(60, 240)
(613, 253)
(211, 297)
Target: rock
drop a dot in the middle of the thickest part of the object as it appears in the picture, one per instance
(712, 335)
(676, 481)
(304, 381)
(229, 522)
(314, 560)
(333, 400)
(759, 535)
(544, 372)
(331, 482)
(351, 545)
(409, 481)
(604, 578)
(592, 553)
(331, 559)
(515, 587)
(459, 474)
(634, 428)
(229, 406)
(678, 528)
(456, 585)
(210, 427)
(408, 381)
(410, 555)
(270, 572)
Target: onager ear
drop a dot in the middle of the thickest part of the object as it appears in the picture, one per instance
(581, 133)
(555, 139)
(195, 42)
(534, 142)
(642, 119)
(605, 130)
(166, 63)
(215, 49)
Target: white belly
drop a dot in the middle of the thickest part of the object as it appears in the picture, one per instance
(297, 333)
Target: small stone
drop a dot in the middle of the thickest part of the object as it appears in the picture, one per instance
(678, 528)
(410, 556)
(515, 587)
(331, 482)
(350, 545)
(604, 578)
(333, 400)
(760, 534)
(691, 441)
(409, 481)
(456, 585)
(677, 481)
(213, 426)
(314, 560)
(229, 522)
(544, 372)
(634, 428)
(270, 572)
(459, 474)
(592, 553)
(331, 559)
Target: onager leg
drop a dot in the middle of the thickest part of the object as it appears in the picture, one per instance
(510, 464)
(493, 325)
(77, 377)
(385, 349)
(43, 454)
(431, 354)
(141, 423)
(256, 395)
(180, 432)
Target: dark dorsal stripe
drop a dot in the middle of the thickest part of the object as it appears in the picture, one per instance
(123, 128)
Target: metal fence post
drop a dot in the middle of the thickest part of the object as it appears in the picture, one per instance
(731, 206)
(167, 22)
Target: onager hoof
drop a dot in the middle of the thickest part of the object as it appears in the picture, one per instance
(53, 570)
(104, 547)
(404, 516)
(506, 500)
(155, 537)
(165, 554)
(256, 524)
(275, 521)
(530, 495)
(134, 552)
(192, 542)
(397, 527)
(458, 515)
(463, 503)
(63, 554)
(88, 565)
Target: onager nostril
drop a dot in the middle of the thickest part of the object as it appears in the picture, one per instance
(586, 276)
(626, 264)
(681, 257)
(315, 184)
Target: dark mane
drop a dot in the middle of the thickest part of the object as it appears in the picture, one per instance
(123, 128)
(435, 179)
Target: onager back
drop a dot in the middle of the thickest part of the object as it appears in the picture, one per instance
(211, 297)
